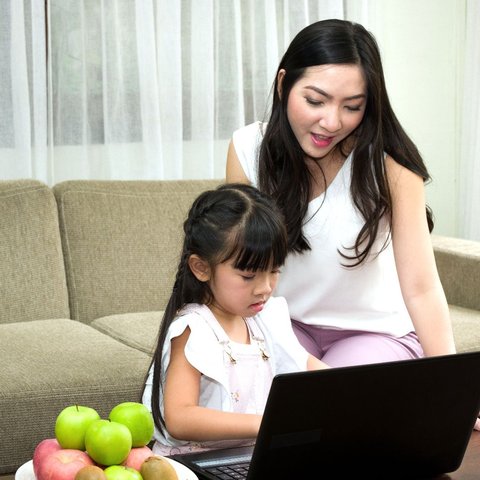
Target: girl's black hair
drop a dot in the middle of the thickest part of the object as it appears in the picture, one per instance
(234, 222)
(282, 170)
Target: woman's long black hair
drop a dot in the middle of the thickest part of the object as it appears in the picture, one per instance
(282, 170)
(233, 222)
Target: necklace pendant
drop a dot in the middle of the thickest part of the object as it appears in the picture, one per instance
(227, 348)
(233, 360)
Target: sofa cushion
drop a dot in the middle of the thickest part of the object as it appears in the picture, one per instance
(466, 328)
(32, 280)
(50, 364)
(121, 242)
(137, 330)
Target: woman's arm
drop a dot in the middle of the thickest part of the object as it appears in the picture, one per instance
(313, 363)
(184, 418)
(421, 287)
(234, 170)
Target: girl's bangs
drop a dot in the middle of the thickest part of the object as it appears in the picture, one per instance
(261, 252)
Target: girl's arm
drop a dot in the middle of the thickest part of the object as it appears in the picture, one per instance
(185, 420)
(421, 287)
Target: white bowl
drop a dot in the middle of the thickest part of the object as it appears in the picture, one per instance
(25, 472)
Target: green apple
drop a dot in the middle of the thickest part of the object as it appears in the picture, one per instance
(137, 418)
(72, 423)
(108, 443)
(119, 472)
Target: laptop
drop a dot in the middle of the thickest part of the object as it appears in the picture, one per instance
(404, 419)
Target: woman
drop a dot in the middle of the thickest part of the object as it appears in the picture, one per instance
(360, 278)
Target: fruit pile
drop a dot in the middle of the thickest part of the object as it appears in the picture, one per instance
(87, 447)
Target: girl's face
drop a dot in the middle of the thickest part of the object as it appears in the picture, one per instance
(239, 292)
(325, 106)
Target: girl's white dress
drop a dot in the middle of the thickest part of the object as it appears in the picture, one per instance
(235, 377)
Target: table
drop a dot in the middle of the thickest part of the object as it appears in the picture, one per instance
(470, 467)
(468, 470)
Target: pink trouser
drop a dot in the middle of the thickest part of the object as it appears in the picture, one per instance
(339, 348)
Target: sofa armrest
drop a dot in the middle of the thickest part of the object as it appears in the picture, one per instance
(458, 263)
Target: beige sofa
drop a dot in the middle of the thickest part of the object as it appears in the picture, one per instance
(86, 269)
(458, 263)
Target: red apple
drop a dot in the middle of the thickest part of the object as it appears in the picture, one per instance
(63, 464)
(42, 450)
(137, 456)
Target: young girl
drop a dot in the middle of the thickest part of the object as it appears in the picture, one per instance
(222, 338)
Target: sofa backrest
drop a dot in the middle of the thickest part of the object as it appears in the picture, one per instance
(458, 263)
(32, 277)
(121, 242)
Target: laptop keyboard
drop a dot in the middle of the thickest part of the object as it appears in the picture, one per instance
(227, 472)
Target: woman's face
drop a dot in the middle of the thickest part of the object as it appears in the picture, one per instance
(325, 106)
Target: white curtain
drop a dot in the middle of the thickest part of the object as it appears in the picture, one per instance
(137, 89)
(153, 89)
(23, 91)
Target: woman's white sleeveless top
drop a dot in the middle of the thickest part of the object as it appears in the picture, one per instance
(318, 288)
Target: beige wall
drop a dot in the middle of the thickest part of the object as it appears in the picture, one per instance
(421, 45)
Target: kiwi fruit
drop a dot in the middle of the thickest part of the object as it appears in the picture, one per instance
(90, 472)
(157, 467)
